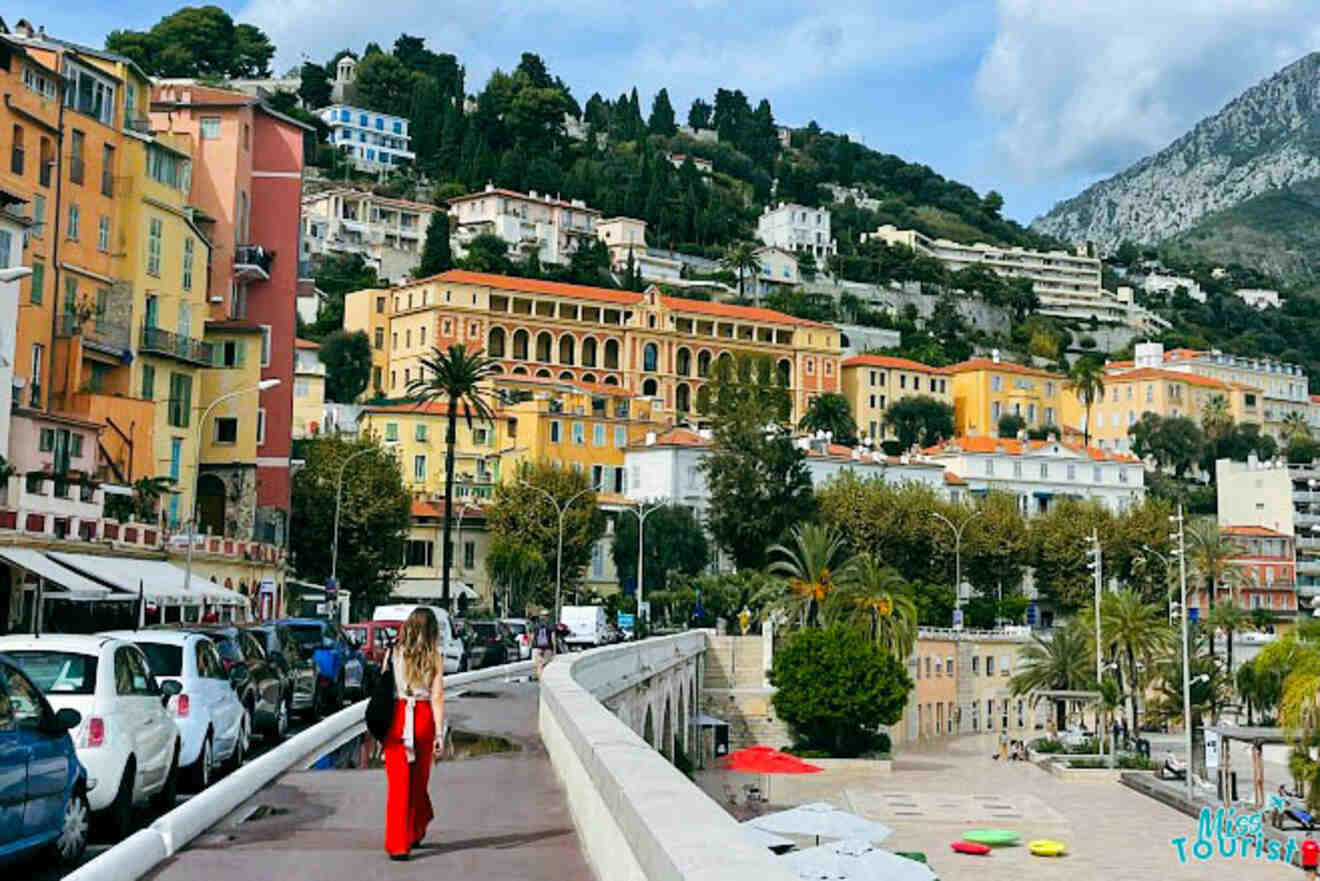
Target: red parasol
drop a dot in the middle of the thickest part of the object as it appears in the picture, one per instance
(765, 760)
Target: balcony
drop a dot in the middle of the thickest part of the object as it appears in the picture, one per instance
(252, 263)
(172, 345)
(139, 124)
(99, 335)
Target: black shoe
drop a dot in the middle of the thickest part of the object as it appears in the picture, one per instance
(400, 857)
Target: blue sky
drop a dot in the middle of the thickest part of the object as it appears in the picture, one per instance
(1034, 98)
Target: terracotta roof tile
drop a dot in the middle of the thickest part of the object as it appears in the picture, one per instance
(1014, 447)
(595, 388)
(674, 437)
(889, 361)
(953, 479)
(729, 310)
(1253, 531)
(417, 408)
(1170, 375)
(1001, 366)
(305, 344)
(427, 508)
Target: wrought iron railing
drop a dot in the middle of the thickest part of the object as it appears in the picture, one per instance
(177, 346)
(254, 255)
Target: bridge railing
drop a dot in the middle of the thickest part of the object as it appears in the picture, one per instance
(637, 816)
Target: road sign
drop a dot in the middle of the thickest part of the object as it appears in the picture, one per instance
(957, 619)
(627, 621)
(1212, 749)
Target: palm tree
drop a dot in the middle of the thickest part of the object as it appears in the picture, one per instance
(1208, 688)
(1216, 418)
(1214, 560)
(1062, 663)
(875, 594)
(1138, 629)
(1087, 382)
(813, 566)
(830, 412)
(147, 493)
(1295, 426)
(741, 258)
(453, 376)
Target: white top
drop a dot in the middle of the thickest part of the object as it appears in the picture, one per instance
(415, 692)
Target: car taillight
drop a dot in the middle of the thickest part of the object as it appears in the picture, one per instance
(94, 733)
(181, 705)
(228, 663)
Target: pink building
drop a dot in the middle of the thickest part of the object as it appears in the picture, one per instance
(247, 180)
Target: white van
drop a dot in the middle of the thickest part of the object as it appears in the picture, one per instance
(587, 625)
(456, 659)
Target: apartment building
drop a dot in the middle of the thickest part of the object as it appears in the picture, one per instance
(985, 389)
(1268, 560)
(247, 181)
(1168, 285)
(1259, 298)
(798, 229)
(531, 223)
(872, 383)
(778, 270)
(387, 233)
(646, 343)
(1281, 498)
(13, 229)
(625, 239)
(375, 142)
(1040, 473)
(308, 389)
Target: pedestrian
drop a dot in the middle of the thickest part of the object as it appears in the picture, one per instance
(543, 645)
(1124, 726)
(411, 746)
(1258, 773)
(1310, 856)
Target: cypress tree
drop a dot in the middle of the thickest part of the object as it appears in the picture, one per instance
(436, 256)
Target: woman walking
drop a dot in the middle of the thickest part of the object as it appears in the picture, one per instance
(411, 745)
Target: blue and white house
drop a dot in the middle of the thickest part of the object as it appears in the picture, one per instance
(374, 141)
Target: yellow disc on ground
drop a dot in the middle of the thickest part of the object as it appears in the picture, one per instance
(1044, 847)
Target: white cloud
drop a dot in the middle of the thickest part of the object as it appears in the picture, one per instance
(1092, 85)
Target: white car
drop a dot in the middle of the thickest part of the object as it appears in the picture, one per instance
(127, 740)
(456, 655)
(213, 724)
(522, 632)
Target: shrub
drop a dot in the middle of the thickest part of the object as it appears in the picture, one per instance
(1047, 746)
(1088, 763)
(1088, 747)
(1088, 342)
(836, 688)
(1134, 762)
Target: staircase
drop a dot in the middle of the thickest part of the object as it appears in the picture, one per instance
(734, 689)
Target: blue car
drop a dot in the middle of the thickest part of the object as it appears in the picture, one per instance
(43, 786)
(340, 666)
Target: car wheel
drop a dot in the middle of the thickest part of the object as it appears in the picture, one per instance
(165, 800)
(282, 720)
(74, 828)
(120, 813)
(199, 775)
(240, 747)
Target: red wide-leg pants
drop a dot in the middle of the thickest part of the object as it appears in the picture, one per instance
(408, 804)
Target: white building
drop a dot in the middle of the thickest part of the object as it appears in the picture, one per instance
(797, 228)
(1255, 493)
(1067, 283)
(705, 166)
(842, 194)
(388, 233)
(1259, 298)
(1039, 473)
(374, 141)
(779, 270)
(1157, 283)
(530, 223)
(13, 229)
(626, 236)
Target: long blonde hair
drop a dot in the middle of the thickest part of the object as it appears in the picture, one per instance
(417, 647)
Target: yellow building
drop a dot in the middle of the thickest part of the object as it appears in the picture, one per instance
(227, 488)
(415, 432)
(308, 388)
(873, 382)
(368, 311)
(986, 389)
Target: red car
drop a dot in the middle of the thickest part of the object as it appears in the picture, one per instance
(374, 638)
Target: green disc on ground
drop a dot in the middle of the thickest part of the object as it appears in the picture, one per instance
(992, 837)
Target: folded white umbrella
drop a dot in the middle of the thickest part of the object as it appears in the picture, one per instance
(821, 820)
(854, 861)
(767, 839)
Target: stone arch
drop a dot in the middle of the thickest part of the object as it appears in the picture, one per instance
(520, 338)
(495, 343)
(648, 726)
(612, 380)
(683, 361)
(589, 347)
(588, 377)
(667, 731)
(543, 373)
(680, 732)
(496, 370)
(211, 498)
(649, 388)
(567, 349)
(682, 398)
(568, 375)
(520, 371)
(650, 357)
(785, 368)
(544, 347)
(612, 354)
(703, 363)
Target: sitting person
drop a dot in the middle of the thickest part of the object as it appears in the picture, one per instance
(1173, 768)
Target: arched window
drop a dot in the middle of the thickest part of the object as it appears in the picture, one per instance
(785, 371)
(612, 354)
(684, 362)
(567, 375)
(703, 363)
(649, 388)
(650, 321)
(543, 346)
(650, 357)
(682, 398)
(566, 346)
(543, 373)
(495, 348)
(588, 377)
(520, 371)
(611, 380)
(520, 345)
(497, 369)
(589, 352)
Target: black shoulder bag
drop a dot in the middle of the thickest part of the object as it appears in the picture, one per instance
(380, 708)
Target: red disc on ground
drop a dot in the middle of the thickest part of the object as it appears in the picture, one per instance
(970, 847)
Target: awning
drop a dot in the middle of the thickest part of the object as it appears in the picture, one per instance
(1043, 494)
(161, 582)
(431, 588)
(63, 583)
(704, 721)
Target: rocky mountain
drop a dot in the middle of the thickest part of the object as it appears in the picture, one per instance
(1262, 145)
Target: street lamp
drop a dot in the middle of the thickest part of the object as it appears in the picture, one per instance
(1096, 565)
(957, 555)
(459, 542)
(262, 386)
(559, 552)
(339, 491)
(1181, 554)
(642, 513)
(1164, 561)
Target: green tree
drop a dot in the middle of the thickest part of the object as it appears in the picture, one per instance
(375, 516)
(661, 121)
(436, 257)
(675, 543)
(1174, 442)
(383, 84)
(1086, 380)
(835, 688)
(521, 513)
(896, 520)
(196, 41)
(1216, 418)
(1059, 541)
(1295, 426)
(1064, 662)
(487, 253)
(919, 420)
(454, 377)
(994, 547)
(830, 412)
(1212, 559)
(1138, 630)
(347, 359)
(337, 275)
(1302, 450)
(314, 85)
(516, 571)
(699, 114)
(878, 599)
(812, 566)
(740, 258)
(1010, 424)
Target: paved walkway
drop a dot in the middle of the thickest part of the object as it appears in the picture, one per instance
(501, 815)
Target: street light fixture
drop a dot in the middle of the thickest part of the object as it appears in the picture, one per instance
(339, 489)
(642, 513)
(957, 557)
(1096, 564)
(559, 552)
(262, 386)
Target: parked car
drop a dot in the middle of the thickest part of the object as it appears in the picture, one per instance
(522, 632)
(587, 626)
(296, 667)
(456, 654)
(126, 741)
(213, 723)
(43, 787)
(340, 667)
(493, 644)
(257, 680)
(373, 639)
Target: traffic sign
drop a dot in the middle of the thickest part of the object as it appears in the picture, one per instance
(627, 621)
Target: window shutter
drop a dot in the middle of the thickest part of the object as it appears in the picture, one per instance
(240, 353)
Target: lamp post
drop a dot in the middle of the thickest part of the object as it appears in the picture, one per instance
(642, 513)
(1181, 554)
(459, 542)
(339, 490)
(957, 556)
(559, 552)
(1164, 561)
(1096, 565)
(262, 386)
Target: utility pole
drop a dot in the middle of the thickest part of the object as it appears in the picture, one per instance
(560, 510)
(642, 513)
(1096, 565)
(957, 560)
(1186, 661)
